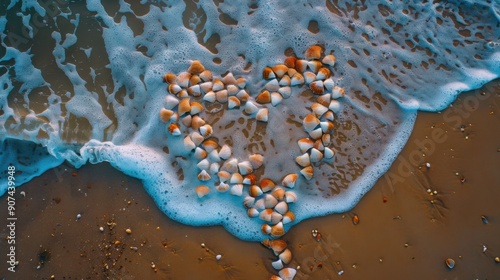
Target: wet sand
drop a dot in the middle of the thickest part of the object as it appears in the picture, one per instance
(404, 232)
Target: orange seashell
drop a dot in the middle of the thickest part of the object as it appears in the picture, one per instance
(337, 92)
(355, 219)
(174, 88)
(313, 52)
(217, 85)
(289, 180)
(329, 60)
(194, 90)
(262, 115)
(194, 80)
(196, 67)
(221, 96)
(303, 160)
(210, 145)
(236, 178)
(225, 152)
(206, 76)
(277, 245)
(267, 184)
(232, 90)
(183, 79)
(329, 84)
(290, 197)
(286, 92)
(222, 187)
(241, 82)
(291, 72)
(237, 190)
(269, 202)
(317, 87)
(206, 130)
(197, 138)
(281, 207)
(266, 229)
(288, 217)
(290, 62)
(324, 100)
(301, 65)
(287, 273)
(326, 127)
(256, 160)
(310, 122)
(285, 81)
(243, 95)
(286, 256)
(196, 108)
(323, 73)
(278, 230)
(249, 179)
(206, 86)
(272, 85)
(252, 212)
(169, 78)
(254, 191)
(268, 73)
(307, 172)
(184, 106)
(224, 176)
(249, 201)
(263, 97)
(297, 80)
(204, 176)
(202, 191)
(266, 215)
(183, 94)
(314, 66)
(318, 145)
(196, 122)
(329, 115)
(186, 121)
(165, 114)
(280, 70)
(278, 193)
(231, 165)
(325, 138)
(319, 109)
(199, 153)
(305, 144)
(174, 129)
(229, 79)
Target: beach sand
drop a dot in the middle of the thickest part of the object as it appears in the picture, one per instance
(404, 232)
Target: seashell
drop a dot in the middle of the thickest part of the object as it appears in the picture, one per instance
(206, 86)
(199, 153)
(318, 145)
(229, 79)
(281, 207)
(313, 52)
(205, 76)
(256, 160)
(314, 66)
(337, 92)
(183, 94)
(225, 152)
(206, 130)
(224, 176)
(329, 84)
(289, 180)
(174, 88)
(262, 115)
(287, 273)
(203, 164)
(189, 144)
(259, 204)
(222, 187)
(187, 120)
(196, 67)
(305, 144)
(232, 90)
(318, 109)
(241, 82)
(266, 215)
(217, 85)
(309, 77)
(290, 62)
(252, 213)
(316, 155)
(214, 168)
(237, 190)
(171, 102)
(291, 72)
(301, 65)
(286, 256)
(310, 122)
(307, 172)
(316, 134)
(249, 201)
(174, 129)
(221, 96)
(278, 193)
(323, 73)
(236, 178)
(250, 108)
(243, 95)
(210, 145)
(297, 80)
(334, 106)
(197, 122)
(303, 160)
(210, 97)
(231, 165)
(169, 78)
(276, 98)
(202, 191)
(276, 217)
(272, 85)
(328, 153)
(325, 138)
(233, 102)
(290, 197)
(263, 97)
(268, 73)
(285, 81)
(329, 60)
(324, 100)
(204, 176)
(277, 230)
(280, 70)
(288, 217)
(184, 106)
(329, 115)
(266, 229)
(450, 263)
(214, 156)
(183, 79)
(245, 167)
(326, 127)
(194, 90)
(254, 191)
(249, 179)
(196, 108)
(317, 87)
(286, 92)
(267, 185)
(165, 114)
(194, 80)
(484, 219)
(277, 264)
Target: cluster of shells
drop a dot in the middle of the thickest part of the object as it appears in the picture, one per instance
(263, 198)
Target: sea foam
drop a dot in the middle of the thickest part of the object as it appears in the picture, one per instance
(85, 85)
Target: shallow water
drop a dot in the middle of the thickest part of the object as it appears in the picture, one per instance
(84, 82)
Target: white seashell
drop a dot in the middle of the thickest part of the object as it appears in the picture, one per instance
(305, 144)
(206, 87)
(277, 264)
(289, 180)
(310, 122)
(233, 102)
(329, 60)
(186, 121)
(286, 256)
(183, 79)
(183, 94)
(222, 187)
(266, 229)
(203, 164)
(316, 155)
(277, 230)
(309, 77)
(287, 273)
(266, 215)
(326, 127)
(288, 217)
(329, 153)
(224, 176)
(210, 97)
(237, 190)
(286, 92)
(214, 156)
(202, 191)
(303, 160)
(194, 90)
(206, 76)
(259, 204)
(229, 79)
(256, 160)
(251, 108)
(281, 207)
(189, 144)
(297, 80)
(221, 96)
(243, 95)
(174, 129)
(314, 65)
(210, 145)
(206, 130)
(307, 172)
(232, 90)
(245, 167)
(318, 109)
(316, 134)
(241, 82)
(285, 81)
(196, 108)
(204, 176)
(252, 213)
(199, 153)
(290, 197)
(272, 85)
(197, 138)
(329, 84)
(174, 88)
(334, 106)
(318, 144)
(276, 98)
(270, 201)
(323, 73)
(236, 178)
(276, 218)
(249, 179)
(231, 165)
(225, 152)
(249, 201)
(171, 102)
(262, 115)
(337, 92)
(329, 116)
(217, 85)
(214, 168)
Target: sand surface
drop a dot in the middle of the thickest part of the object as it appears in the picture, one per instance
(404, 232)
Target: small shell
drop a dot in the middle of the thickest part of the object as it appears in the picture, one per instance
(195, 79)
(323, 73)
(259, 204)
(231, 165)
(290, 197)
(326, 127)
(316, 155)
(307, 172)
(217, 85)
(287, 273)
(214, 168)
(196, 67)
(189, 144)
(355, 219)
(184, 106)
(288, 217)
(268, 73)
(318, 109)
(197, 138)
(291, 72)
(237, 190)
(206, 130)
(310, 122)
(206, 76)
(194, 90)
(270, 201)
(286, 256)
(252, 213)
(225, 152)
(276, 98)
(277, 230)
(297, 80)
(203, 164)
(329, 115)
(266, 229)
(236, 178)
(281, 207)
(222, 187)
(272, 85)
(254, 191)
(243, 95)
(305, 144)
(196, 108)
(250, 108)
(199, 153)
(324, 100)
(229, 79)
(277, 264)
(174, 88)
(183, 79)
(202, 191)
(206, 86)
(224, 176)
(210, 97)
(165, 114)
(303, 160)
(313, 52)
(232, 90)
(317, 87)
(183, 94)
(316, 134)
(278, 193)
(450, 263)
(263, 97)
(329, 84)
(314, 66)
(266, 215)
(326, 139)
(241, 82)
(210, 145)
(233, 102)
(245, 167)
(334, 106)
(329, 60)
(249, 179)
(256, 160)
(289, 180)
(337, 92)
(286, 92)
(290, 62)
(221, 96)
(280, 70)
(262, 115)
(309, 77)
(169, 78)
(214, 156)
(174, 129)
(285, 81)
(187, 120)
(267, 184)
(301, 65)
(276, 217)
(171, 102)
(197, 122)
(249, 201)
(204, 176)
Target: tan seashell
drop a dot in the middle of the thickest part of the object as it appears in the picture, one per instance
(314, 66)
(183, 79)
(206, 86)
(303, 160)
(325, 138)
(316, 134)
(313, 52)
(276, 218)
(254, 191)
(266, 215)
(210, 97)
(202, 191)
(225, 152)
(184, 107)
(251, 108)
(316, 155)
(324, 100)
(286, 256)
(277, 230)
(290, 197)
(245, 167)
(256, 160)
(169, 78)
(236, 178)
(237, 190)
(297, 80)
(263, 97)
(194, 80)
(197, 122)
(329, 60)
(199, 153)
(214, 156)
(268, 73)
(309, 77)
(337, 92)
(204, 164)
(280, 70)
(334, 106)
(301, 65)
(310, 122)
(277, 264)
(318, 109)
(197, 138)
(206, 130)
(278, 193)
(326, 127)
(249, 179)
(259, 204)
(196, 108)
(329, 84)
(277, 245)
(241, 82)
(221, 96)
(249, 201)
(288, 273)
(286, 92)
(222, 187)
(233, 102)
(323, 73)
(231, 165)
(224, 176)
(318, 145)
(262, 115)
(288, 217)
(329, 115)
(281, 207)
(291, 72)
(210, 145)
(204, 176)
(174, 88)
(307, 172)
(165, 114)
(187, 120)
(317, 87)
(217, 85)
(189, 144)
(174, 129)
(329, 153)
(183, 94)
(289, 180)
(285, 81)
(170, 102)
(290, 62)
(266, 229)
(252, 213)
(276, 98)
(206, 76)
(272, 85)
(229, 79)
(267, 184)
(196, 67)
(232, 90)
(214, 168)
(243, 95)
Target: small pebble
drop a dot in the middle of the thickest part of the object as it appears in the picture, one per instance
(78, 216)
(202, 245)
(428, 165)
(101, 229)
(497, 259)
(218, 257)
(450, 263)
(484, 219)
(129, 231)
